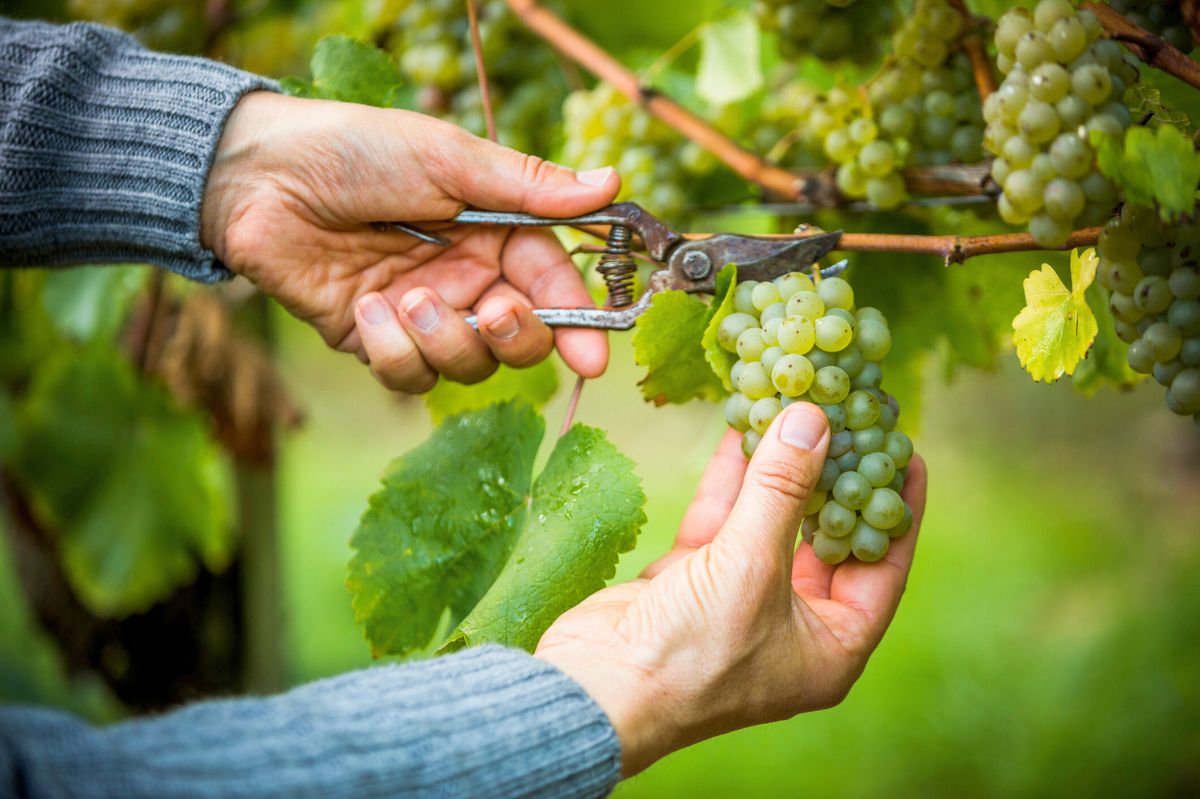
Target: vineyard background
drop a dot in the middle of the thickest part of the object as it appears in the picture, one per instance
(1049, 639)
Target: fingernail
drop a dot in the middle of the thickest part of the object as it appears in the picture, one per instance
(803, 428)
(423, 313)
(594, 177)
(505, 327)
(373, 310)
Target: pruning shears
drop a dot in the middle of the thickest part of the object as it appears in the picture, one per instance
(689, 265)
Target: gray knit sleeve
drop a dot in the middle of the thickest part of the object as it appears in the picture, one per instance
(105, 148)
(484, 723)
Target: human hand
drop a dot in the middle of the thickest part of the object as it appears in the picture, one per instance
(295, 185)
(735, 626)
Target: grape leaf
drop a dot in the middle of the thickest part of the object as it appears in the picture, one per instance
(91, 302)
(718, 358)
(1053, 331)
(1106, 362)
(730, 63)
(349, 70)
(1154, 167)
(1145, 100)
(666, 341)
(587, 509)
(438, 533)
(144, 497)
(535, 384)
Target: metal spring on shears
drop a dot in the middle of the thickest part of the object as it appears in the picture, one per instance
(618, 267)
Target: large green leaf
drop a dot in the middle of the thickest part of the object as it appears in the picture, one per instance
(666, 341)
(535, 384)
(438, 540)
(441, 528)
(130, 481)
(349, 70)
(730, 63)
(1154, 167)
(91, 302)
(587, 509)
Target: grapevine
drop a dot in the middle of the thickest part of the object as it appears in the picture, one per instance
(1159, 16)
(800, 342)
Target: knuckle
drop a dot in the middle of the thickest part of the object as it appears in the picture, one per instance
(784, 480)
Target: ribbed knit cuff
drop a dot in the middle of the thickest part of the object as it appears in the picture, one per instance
(485, 723)
(105, 148)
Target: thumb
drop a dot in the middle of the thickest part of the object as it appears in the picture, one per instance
(779, 481)
(486, 175)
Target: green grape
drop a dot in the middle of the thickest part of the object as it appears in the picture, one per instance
(796, 335)
(836, 415)
(770, 357)
(750, 442)
(869, 439)
(848, 316)
(1091, 83)
(732, 327)
(791, 283)
(793, 375)
(877, 159)
(829, 476)
(870, 376)
(807, 304)
(820, 358)
(836, 293)
(737, 411)
(836, 520)
(840, 443)
(871, 314)
(832, 333)
(852, 490)
(750, 344)
(754, 382)
(884, 509)
(774, 312)
(1140, 357)
(1048, 231)
(770, 331)
(887, 192)
(1024, 190)
(1184, 283)
(1189, 353)
(1164, 373)
(829, 549)
(862, 409)
(874, 340)
(1071, 156)
(906, 523)
(816, 501)
(1163, 340)
(850, 361)
(764, 295)
(1153, 294)
(762, 413)
(743, 301)
(899, 448)
(1184, 316)
(829, 385)
(878, 468)
(1183, 397)
(1063, 199)
(867, 543)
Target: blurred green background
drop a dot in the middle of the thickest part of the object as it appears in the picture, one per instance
(1049, 642)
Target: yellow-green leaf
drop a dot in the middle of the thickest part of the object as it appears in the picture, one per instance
(1053, 331)
(730, 64)
(666, 341)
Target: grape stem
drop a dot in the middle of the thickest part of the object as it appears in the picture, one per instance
(976, 49)
(485, 93)
(1148, 47)
(571, 406)
(818, 187)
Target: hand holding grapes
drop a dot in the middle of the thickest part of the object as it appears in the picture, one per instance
(735, 626)
(289, 204)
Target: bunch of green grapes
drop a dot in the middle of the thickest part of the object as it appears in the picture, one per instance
(781, 130)
(603, 128)
(832, 30)
(869, 161)
(1062, 81)
(925, 100)
(433, 43)
(1159, 16)
(161, 24)
(1152, 270)
(797, 341)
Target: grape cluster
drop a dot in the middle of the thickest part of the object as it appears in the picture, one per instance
(1152, 270)
(1159, 17)
(603, 128)
(1062, 81)
(433, 43)
(797, 341)
(832, 30)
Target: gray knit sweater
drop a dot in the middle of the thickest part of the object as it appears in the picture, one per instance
(104, 151)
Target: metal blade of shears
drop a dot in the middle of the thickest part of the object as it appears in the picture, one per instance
(695, 263)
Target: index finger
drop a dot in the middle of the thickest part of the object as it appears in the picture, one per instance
(535, 263)
(874, 589)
